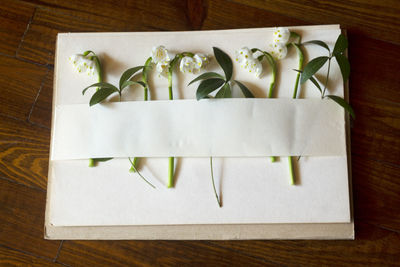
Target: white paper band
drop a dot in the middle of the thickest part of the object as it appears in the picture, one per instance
(190, 128)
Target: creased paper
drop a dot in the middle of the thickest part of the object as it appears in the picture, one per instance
(190, 128)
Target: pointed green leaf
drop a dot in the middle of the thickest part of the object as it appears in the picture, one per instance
(246, 92)
(129, 83)
(318, 42)
(101, 94)
(102, 159)
(312, 67)
(146, 69)
(340, 45)
(224, 92)
(208, 86)
(344, 66)
(314, 81)
(100, 85)
(205, 76)
(128, 74)
(224, 61)
(343, 103)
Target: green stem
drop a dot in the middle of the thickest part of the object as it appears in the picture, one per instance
(134, 164)
(300, 67)
(213, 183)
(327, 78)
(146, 97)
(170, 173)
(91, 163)
(272, 87)
(296, 86)
(141, 176)
(291, 171)
(272, 84)
(99, 78)
(171, 159)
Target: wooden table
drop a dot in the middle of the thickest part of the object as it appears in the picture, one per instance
(27, 37)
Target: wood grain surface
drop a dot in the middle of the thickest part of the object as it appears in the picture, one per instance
(28, 30)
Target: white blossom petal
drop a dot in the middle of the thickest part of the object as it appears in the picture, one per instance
(201, 61)
(243, 54)
(159, 54)
(83, 64)
(187, 65)
(278, 51)
(162, 68)
(281, 35)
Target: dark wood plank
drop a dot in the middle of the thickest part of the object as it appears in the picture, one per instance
(376, 192)
(376, 131)
(373, 246)
(14, 19)
(19, 84)
(223, 14)
(10, 257)
(41, 111)
(24, 152)
(375, 19)
(152, 253)
(162, 15)
(95, 16)
(39, 41)
(373, 65)
(22, 220)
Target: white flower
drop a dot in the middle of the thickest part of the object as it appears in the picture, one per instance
(252, 65)
(159, 54)
(188, 65)
(247, 61)
(201, 61)
(83, 64)
(281, 35)
(243, 54)
(278, 51)
(162, 68)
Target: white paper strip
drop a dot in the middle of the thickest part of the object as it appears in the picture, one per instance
(190, 128)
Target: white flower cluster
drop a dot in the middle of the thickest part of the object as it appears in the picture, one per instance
(278, 49)
(247, 61)
(83, 64)
(161, 58)
(193, 64)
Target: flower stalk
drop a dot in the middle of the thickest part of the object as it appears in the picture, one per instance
(146, 68)
(213, 183)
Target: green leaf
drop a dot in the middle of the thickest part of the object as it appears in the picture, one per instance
(128, 83)
(102, 159)
(208, 86)
(312, 67)
(100, 85)
(343, 103)
(246, 92)
(344, 66)
(340, 45)
(318, 42)
(225, 62)
(205, 76)
(101, 94)
(224, 92)
(146, 69)
(314, 81)
(128, 74)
